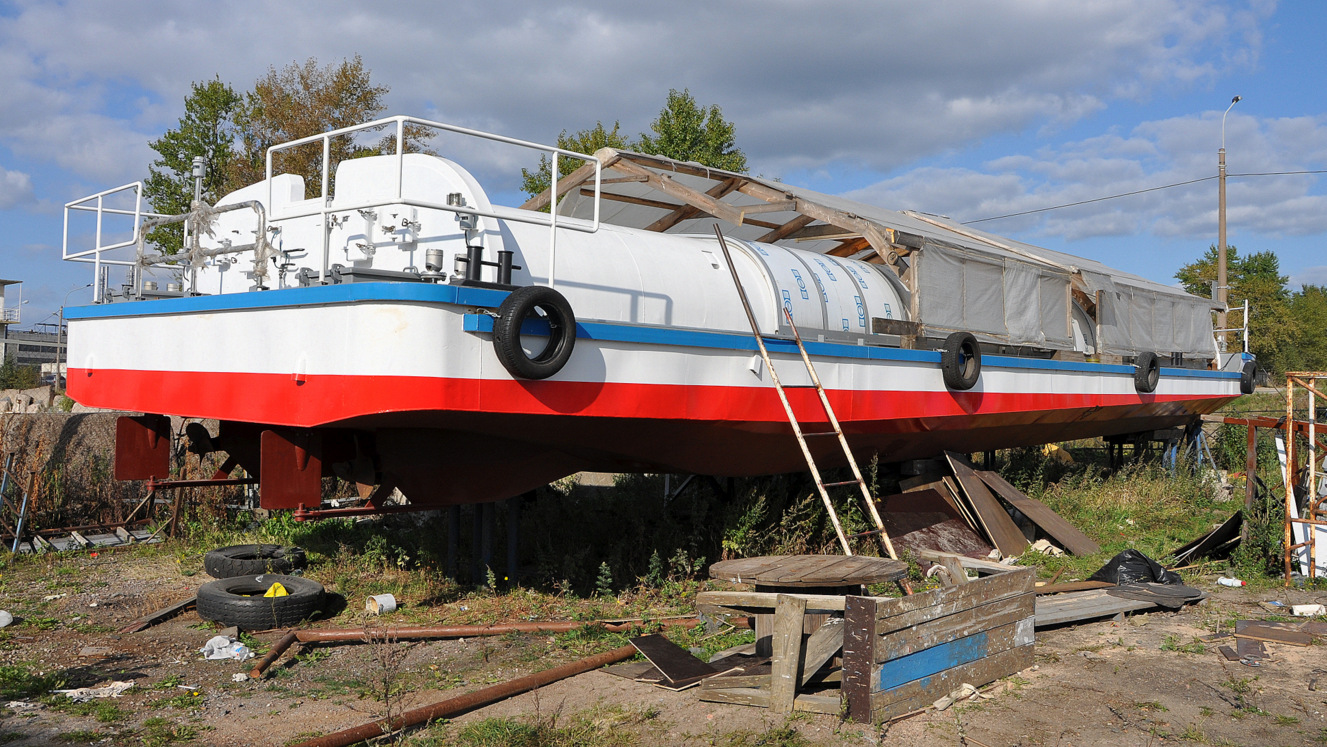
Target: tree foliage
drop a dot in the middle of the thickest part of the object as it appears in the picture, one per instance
(233, 131)
(687, 131)
(15, 376)
(303, 99)
(584, 141)
(684, 130)
(207, 129)
(1287, 330)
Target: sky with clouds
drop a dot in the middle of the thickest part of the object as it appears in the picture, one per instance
(971, 110)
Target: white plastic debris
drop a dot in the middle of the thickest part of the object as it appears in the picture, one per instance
(380, 604)
(6, 619)
(23, 705)
(1308, 610)
(1226, 581)
(1046, 548)
(964, 692)
(81, 694)
(224, 647)
(239, 677)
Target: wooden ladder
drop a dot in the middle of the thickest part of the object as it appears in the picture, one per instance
(885, 545)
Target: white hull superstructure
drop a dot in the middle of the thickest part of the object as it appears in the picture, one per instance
(361, 333)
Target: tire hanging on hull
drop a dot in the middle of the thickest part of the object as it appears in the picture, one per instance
(522, 304)
(960, 361)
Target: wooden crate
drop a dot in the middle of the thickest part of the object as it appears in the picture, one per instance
(902, 654)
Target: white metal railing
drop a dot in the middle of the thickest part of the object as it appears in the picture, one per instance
(97, 203)
(400, 123)
(1244, 330)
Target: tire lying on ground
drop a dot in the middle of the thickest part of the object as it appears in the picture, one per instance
(240, 602)
(252, 560)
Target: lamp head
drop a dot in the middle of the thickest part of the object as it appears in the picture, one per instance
(1236, 100)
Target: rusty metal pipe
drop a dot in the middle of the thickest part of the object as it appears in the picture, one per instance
(344, 635)
(278, 649)
(468, 702)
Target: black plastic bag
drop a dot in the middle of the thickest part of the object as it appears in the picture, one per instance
(1132, 567)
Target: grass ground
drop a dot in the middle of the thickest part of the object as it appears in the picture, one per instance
(589, 553)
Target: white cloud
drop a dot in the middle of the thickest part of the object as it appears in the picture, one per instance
(893, 82)
(1154, 154)
(15, 188)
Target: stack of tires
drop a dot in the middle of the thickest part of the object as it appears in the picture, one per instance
(245, 573)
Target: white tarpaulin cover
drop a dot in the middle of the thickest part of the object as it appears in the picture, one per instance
(1000, 289)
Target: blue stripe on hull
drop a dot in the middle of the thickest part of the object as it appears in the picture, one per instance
(601, 331)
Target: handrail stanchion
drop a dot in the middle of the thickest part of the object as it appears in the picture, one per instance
(553, 219)
(327, 230)
(96, 266)
(400, 157)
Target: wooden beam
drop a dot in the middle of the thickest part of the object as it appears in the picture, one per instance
(787, 658)
(686, 212)
(787, 229)
(783, 206)
(767, 600)
(987, 566)
(825, 231)
(829, 704)
(821, 647)
(850, 247)
(1002, 531)
(570, 182)
(673, 188)
(633, 200)
(1042, 515)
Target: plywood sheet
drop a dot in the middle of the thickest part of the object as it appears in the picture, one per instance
(924, 520)
(1001, 529)
(677, 664)
(1066, 534)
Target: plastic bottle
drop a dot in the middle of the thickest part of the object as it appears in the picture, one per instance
(1229, 581)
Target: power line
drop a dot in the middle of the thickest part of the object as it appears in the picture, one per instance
(1139, 192)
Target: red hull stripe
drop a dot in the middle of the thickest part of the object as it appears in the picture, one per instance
(324, 399)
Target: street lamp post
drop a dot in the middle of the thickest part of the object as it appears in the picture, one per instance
(60, 337)
(1222, 286)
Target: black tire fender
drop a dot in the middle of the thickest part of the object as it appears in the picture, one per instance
(515, 309)
(1248, 376)
(239, 601)
(960, 361)
(1146, 372)
(252, 560)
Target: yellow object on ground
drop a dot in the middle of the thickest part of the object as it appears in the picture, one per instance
(277, 590)
(1055, 452)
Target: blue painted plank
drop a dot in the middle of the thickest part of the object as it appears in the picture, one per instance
(931, 661)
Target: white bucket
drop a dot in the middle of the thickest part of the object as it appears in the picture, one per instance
(380, 604)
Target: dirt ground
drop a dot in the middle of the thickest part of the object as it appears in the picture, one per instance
(1118, 683)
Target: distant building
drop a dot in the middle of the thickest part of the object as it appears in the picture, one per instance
(34, 347)
(8, 311)
(42, 346)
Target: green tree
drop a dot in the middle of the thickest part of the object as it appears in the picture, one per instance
(585, 141)
(207, 129)
(300, 100)
(1257, 277)
(687, 131)
(14, 376)
(1309, 309)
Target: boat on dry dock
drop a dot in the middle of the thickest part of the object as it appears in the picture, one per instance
(400, 330)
